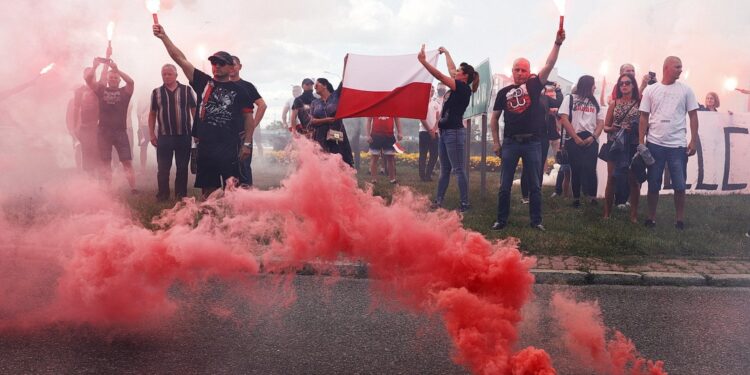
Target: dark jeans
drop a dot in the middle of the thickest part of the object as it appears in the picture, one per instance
(530, 152)
(452, 159)
(427, 145)
(525, 178)
(167, 147)
(583, 168)
(246, 170)
(564, 169)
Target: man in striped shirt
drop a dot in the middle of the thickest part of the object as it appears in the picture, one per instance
(173, 108)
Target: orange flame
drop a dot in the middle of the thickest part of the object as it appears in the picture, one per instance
(110, 30)
(46, 69)
(153, 5)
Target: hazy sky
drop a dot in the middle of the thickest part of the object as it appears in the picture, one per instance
(283, 41)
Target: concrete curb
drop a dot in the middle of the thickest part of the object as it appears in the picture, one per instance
(360, 270)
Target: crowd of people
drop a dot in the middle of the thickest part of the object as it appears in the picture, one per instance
(646, 126)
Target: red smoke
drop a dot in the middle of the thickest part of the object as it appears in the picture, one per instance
(83, 260)
(584, 336)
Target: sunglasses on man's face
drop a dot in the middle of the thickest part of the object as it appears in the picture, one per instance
(626, 83)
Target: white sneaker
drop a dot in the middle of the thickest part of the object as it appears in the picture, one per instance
(622, 207)
(524, 201)
(554, 195)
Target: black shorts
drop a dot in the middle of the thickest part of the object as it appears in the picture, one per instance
(216, 163)
(118, 139)
(382, 143)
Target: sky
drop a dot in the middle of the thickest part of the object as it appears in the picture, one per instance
(284, 41)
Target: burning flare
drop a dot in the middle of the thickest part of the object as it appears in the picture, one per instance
(46, 69)
(604, 68)
(153, 6)
(110, 30)
(730, 84)
(560, 4)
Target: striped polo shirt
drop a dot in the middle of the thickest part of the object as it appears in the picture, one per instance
(172, 109)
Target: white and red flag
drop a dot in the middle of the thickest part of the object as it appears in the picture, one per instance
(394, 86)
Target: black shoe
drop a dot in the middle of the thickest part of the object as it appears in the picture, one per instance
(679, 225)
(498, 226)
(435, 205)
(576, 203)
(594, 202)
(649, 223)
(464, 207)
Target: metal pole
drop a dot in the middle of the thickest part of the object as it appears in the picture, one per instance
(483, 164)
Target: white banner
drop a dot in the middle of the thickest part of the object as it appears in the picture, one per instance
(722, 163)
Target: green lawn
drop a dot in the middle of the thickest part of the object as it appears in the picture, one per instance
(714, 225)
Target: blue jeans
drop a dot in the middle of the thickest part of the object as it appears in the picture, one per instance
(452, 158)
(246, 171)
(531, 154)
(674, 158)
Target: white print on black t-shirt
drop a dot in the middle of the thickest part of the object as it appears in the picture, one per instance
(111, 97)
(517, 100)
(217, 108)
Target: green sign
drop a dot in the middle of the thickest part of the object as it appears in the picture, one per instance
(480, 100)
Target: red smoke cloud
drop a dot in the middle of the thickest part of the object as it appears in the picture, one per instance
(81, 259)
(584, 336)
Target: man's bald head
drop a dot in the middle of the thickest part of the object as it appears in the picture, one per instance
(672, 69)
(521, 71)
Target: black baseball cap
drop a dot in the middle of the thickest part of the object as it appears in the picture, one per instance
(221, 56)
(307, 81)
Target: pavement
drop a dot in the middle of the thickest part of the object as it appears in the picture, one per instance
(590, 271)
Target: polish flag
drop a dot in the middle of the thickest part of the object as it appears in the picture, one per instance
(394, 86)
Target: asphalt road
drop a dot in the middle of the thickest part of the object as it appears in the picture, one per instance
(338, 328)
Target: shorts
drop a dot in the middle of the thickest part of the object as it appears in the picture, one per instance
(674, 158)
(216, 163)
(382, 144)
(106, 139)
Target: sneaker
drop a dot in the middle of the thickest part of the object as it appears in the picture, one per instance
(747, 234)
(539, 227)
(649, 223)
(498, 226)
(435, 205)
(679, 225)
(394, 181)
(576, 203)
(554, 195)
(525, 200)
(622, 207)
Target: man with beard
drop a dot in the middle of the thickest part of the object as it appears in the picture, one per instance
(224, 112)
(300, 119)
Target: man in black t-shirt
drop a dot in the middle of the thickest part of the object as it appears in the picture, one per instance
(114, 103)
(525, 126)
(246, 172)
(224, 112)
(300, 119)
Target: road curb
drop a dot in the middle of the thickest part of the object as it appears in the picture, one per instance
(742, 280)
(542, 276)
(673, 279)
(615, 278)
(360, 270)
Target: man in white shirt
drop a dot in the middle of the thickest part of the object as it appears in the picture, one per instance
(428, 133)
(664, 108)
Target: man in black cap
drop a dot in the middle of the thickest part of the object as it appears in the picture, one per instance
(246, 172)
(224, 111)
(300, 119)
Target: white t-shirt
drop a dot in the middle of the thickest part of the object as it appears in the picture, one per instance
(433, 107)
(668, 106)
(585, 114)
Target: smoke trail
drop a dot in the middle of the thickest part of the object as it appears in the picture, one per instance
(584, 336)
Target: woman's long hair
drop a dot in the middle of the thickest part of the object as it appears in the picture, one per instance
(585, 88)
(473, 76)
(635, 93)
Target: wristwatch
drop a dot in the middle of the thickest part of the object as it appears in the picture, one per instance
(248, 145)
